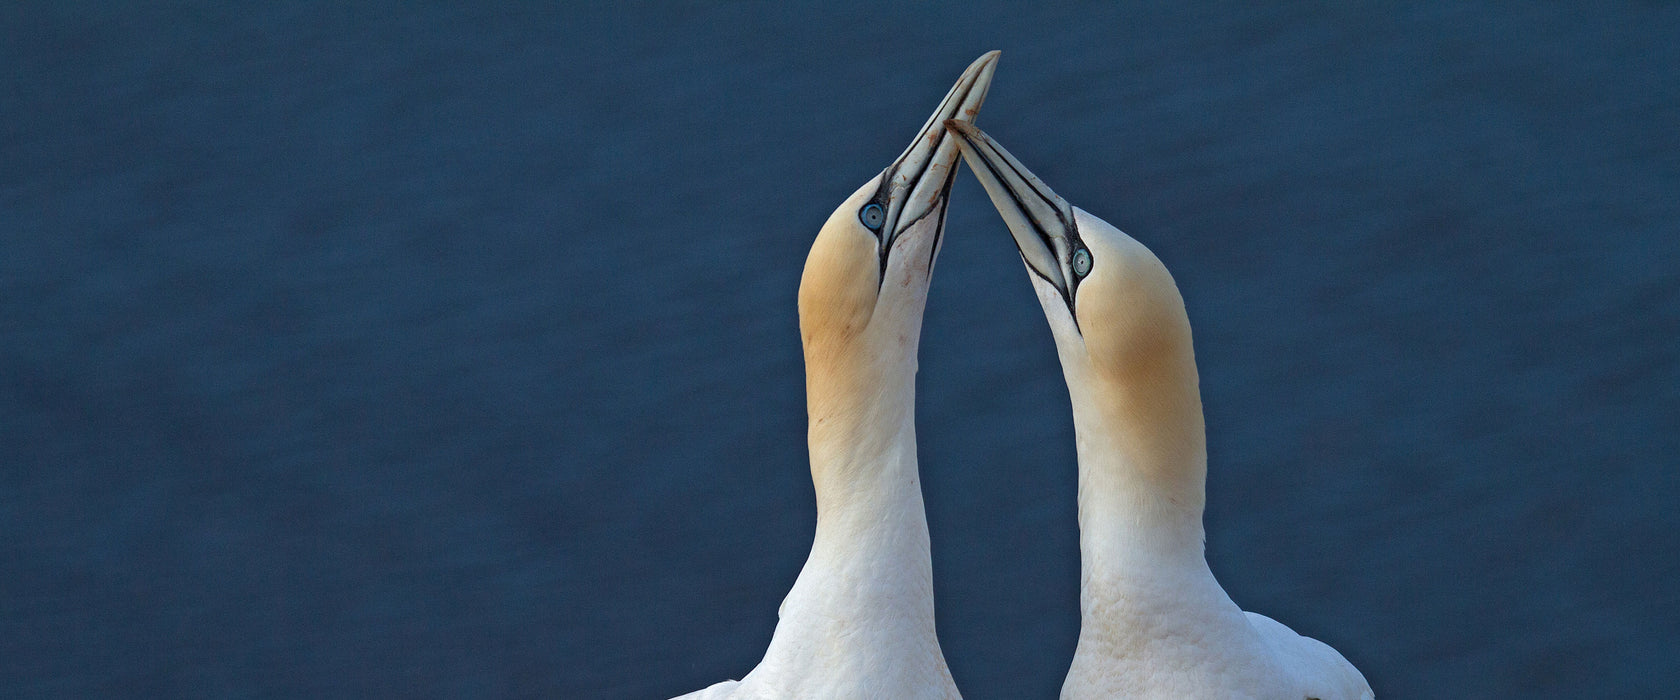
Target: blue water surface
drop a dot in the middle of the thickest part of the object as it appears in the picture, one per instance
(418, 350)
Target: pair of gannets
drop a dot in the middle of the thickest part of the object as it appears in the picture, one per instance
(1154, 623)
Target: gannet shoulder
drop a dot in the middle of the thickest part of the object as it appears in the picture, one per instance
(1315, 662)
(717, 691)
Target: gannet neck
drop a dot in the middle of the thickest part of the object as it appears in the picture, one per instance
(1148, 602)
(861, 434)
(871, 526)
(859, 621)
(864, 601)
(1142, 456)
(860, 338)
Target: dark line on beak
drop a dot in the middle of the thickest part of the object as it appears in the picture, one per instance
(891, 233)
(1049, 199)
(936, 112)
(938, 140)
(941, 205)
(1044, 236)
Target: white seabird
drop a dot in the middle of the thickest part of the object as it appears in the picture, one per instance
(1154, 623)
(859, 620)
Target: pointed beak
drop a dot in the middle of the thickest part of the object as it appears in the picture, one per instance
(919, 182)
(1039, 219)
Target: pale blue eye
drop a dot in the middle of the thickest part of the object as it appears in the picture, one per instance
(873, 216)
(1082, 262)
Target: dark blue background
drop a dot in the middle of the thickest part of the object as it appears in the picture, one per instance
(394, 350)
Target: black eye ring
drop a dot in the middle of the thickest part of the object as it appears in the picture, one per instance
(873, 216)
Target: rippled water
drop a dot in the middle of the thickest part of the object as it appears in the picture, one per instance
(407, 352)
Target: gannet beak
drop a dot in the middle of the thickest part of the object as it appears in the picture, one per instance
(1039, 219)
(918, 183)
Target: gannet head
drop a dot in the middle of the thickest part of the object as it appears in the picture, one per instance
(1118, 318)
(866, 279)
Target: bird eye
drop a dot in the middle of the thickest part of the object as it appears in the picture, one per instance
(1082, 262)
(873, 216)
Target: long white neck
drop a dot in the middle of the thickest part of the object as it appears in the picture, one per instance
(1153, 619)
(860, 619)
(872, 537)
(1142, 480)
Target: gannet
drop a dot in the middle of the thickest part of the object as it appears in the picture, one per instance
(1154, 623)
(859, 620)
